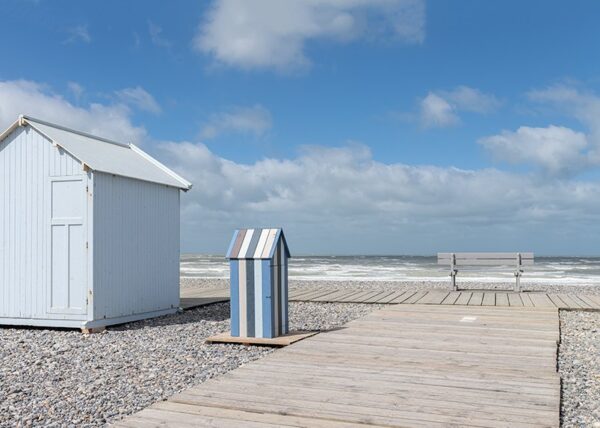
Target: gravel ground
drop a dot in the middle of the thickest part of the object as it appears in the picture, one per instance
(64, 378)
(443, 285)
(204, 283)
(579, 367)
(402, 285)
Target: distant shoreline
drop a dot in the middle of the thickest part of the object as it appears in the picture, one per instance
(546, 271)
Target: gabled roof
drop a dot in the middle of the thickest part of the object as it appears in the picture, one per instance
(101, 154)
(256, 244)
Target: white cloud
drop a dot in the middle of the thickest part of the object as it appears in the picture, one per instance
(585, 106)
(139, 98)
(156, 35)
(254, 120)
(558, 150)
(76, 89)
(347, 182)
(471, 99)
(38, 100)
(263, 34)
(341, 200)
(435, 111)
(137, 40)
(441, 108)
(582, 105)
(344, 192)
(78, 33)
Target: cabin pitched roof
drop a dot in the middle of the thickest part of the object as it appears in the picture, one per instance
(103, 155)
(256, 244)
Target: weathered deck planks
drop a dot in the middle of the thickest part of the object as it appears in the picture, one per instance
(194, 297)
(424, 365)
(191, 297)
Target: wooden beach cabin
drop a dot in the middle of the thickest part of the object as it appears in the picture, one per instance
(259, 283)
(89, 229)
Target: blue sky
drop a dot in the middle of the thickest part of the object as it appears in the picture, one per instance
(384, 126)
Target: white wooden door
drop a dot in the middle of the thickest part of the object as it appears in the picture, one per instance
(68, 261)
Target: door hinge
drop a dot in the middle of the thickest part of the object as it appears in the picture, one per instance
(87, 245)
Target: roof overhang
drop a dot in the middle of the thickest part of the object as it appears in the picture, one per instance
(170, 178)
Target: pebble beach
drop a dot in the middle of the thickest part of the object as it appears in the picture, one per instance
(53, 377)
(579, 367)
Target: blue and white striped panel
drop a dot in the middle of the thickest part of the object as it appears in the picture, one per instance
(250, 310)
(260, 246)
(234, 301)
(253, 243)
(259, 283)
(232, 244)
(246, 243)
(276, 290)
(258, 299)
(269, 244)
(242, 298)
(284, 292)
(267, 300)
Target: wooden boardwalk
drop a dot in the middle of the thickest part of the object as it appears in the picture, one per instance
(192, 297)
(405, 365)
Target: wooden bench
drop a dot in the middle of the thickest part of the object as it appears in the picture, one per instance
(455, 260)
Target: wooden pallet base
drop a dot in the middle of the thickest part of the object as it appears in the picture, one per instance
(278, 342)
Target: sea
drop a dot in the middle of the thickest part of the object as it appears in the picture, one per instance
(546, 270)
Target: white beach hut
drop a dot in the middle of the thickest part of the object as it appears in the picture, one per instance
(89, 229)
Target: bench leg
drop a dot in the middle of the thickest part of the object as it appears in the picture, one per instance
(453, 280)
(518, 282)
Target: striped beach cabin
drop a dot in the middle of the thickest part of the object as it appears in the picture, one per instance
(259, 283)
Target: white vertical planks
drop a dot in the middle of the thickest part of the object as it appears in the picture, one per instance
(136, 246)
(27, 161)
(261, 243)
(243, 296)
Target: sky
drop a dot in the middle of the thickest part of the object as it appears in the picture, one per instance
(359, 126)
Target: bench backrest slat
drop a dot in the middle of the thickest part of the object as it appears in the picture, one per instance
(485, 259)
